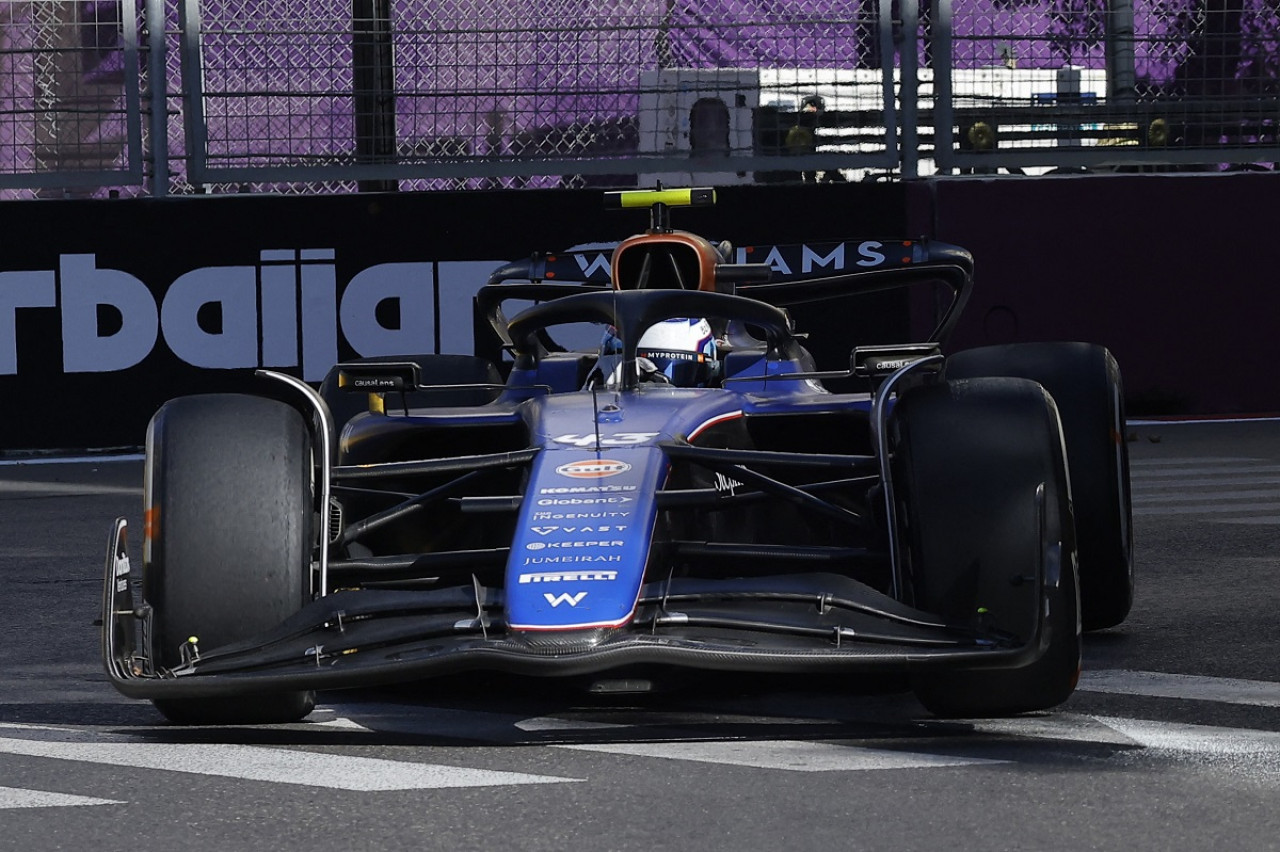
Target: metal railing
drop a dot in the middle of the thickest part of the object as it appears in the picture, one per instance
(185, 96)
(69, 96)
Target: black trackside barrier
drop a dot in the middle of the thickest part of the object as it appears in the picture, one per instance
(110, 307)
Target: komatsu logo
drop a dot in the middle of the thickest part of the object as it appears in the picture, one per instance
(587, 489)
(564, 597)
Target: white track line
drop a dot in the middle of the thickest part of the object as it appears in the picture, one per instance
(276, 765)
(1255, 508)
(16, 797)
(1258, 693)
(22, 462)
(789, 755)
(1143, 486)
(1201, 494)
(65, 489)
(1167, 473)
(1183, 460)
(1196, 739)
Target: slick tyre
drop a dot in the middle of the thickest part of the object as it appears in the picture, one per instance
(229, 542)
(434, 370)
(1085, 382)
(980, 485)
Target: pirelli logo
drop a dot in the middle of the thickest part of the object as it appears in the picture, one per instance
(567, 576)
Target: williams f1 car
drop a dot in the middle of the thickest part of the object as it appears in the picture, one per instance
(694, 457)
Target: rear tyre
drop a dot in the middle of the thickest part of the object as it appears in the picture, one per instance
(229, 545)
(980, 480)
(1084, 381)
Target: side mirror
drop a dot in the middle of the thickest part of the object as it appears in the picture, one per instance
(379, 377)
(879, 362)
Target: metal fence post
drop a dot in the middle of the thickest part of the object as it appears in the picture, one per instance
(157, 78)
(373, 79)
(193, 92)
(908, 88)
(943, 106)
(1122, 77)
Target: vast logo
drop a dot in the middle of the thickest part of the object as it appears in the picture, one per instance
(283, 311)
(596, 528)
(564, 597)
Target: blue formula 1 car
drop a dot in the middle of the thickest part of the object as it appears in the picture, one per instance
(680, 471)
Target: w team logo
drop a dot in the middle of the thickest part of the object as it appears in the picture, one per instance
(564, 597)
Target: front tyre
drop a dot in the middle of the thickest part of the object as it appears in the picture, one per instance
(980, 479)
(1084, 380)
(228, 546)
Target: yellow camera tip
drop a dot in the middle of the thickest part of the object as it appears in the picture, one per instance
(193, 639)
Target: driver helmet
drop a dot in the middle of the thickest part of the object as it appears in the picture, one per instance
(683, 350)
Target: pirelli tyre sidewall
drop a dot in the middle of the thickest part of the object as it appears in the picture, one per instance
(230, 532)
(983, 511)
(1085, 382)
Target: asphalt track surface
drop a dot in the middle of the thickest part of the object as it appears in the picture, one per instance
(1172, 743)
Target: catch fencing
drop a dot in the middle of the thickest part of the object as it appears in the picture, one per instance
(161, 97)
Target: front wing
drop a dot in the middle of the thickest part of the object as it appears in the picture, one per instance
(813, 623)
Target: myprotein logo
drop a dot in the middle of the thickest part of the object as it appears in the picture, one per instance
(282, 311)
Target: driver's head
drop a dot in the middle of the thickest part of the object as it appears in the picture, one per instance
(683, 350)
